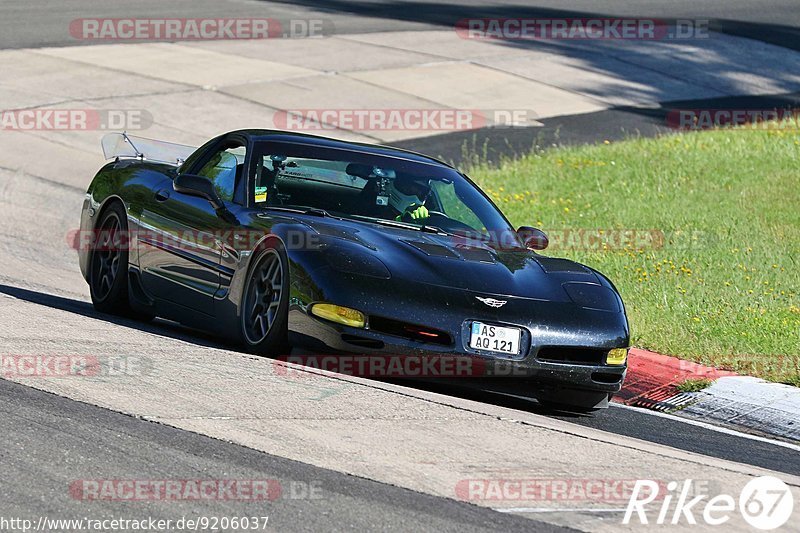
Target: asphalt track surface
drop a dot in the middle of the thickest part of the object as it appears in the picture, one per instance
(630, 422)
(614, 124)
(36, 23)
(44, 23)
(36, 471)
(53, 437)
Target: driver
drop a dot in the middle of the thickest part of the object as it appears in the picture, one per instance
(407, 196)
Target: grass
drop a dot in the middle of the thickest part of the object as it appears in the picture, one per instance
(693, 385)
(710, 271)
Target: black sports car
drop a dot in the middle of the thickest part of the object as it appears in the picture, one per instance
(276, 239)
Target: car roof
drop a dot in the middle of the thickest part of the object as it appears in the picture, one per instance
(316, 140)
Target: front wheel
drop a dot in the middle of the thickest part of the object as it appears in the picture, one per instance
(265, 304)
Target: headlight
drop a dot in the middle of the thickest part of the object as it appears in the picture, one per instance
(591, 296)
(340, 315)
(617, 356)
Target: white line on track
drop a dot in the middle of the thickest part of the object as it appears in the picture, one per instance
(710, 427)
(704, 425)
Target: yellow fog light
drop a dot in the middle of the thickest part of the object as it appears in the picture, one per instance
(339, 314)
(617, 356)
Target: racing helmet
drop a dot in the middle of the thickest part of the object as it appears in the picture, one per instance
(405, 191)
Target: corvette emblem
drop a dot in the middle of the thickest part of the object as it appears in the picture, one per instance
(491, 302)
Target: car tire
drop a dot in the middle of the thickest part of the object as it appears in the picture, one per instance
(264, 314)
(108, 265)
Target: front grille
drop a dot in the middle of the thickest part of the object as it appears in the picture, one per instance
(409, 331)
(572, 354)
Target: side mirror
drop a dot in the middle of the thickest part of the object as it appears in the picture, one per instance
(534, 238)
(194, 185)
(201, 187)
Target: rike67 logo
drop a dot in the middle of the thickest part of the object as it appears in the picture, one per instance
(765, 503)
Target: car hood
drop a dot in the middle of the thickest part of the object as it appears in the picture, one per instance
(422, 258)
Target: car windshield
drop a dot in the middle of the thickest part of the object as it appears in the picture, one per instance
(378, 189)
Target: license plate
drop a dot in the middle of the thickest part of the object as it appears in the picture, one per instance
(494, 338)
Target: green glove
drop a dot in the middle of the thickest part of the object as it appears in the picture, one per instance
(414, 212)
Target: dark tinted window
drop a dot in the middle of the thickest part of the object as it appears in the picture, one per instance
(373, 188)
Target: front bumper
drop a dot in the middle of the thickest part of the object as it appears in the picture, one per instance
(544, 323)
(527, 373)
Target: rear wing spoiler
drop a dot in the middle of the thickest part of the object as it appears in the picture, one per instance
(122, 145)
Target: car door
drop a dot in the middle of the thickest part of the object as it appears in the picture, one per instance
(180, 236)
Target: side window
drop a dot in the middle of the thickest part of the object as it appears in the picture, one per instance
(223, 168)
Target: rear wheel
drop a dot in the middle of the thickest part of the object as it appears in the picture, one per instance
(265, 304)
(108, 271)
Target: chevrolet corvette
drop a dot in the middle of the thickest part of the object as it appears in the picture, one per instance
(276, 240)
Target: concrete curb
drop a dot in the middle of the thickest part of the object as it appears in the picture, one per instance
(749, 402)
(742, 402)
